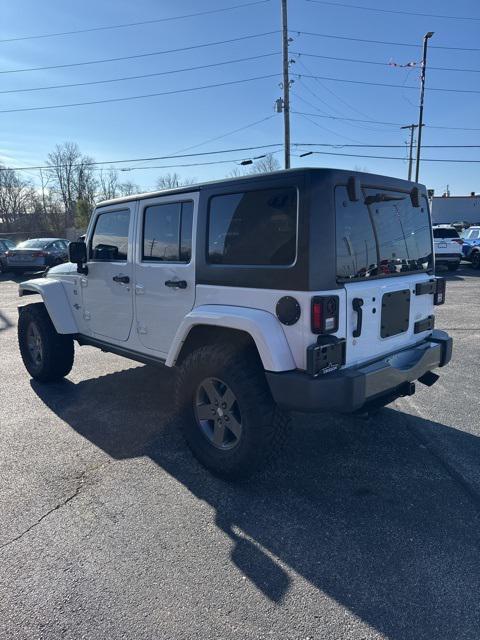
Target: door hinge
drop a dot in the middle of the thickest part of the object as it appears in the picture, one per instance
(86, 315)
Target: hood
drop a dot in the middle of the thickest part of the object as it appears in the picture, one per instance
(64, 268)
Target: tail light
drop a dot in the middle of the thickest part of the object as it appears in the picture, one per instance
(10, 254)
(324, 314)
(39, 254)
(439, 295)
(458, 240)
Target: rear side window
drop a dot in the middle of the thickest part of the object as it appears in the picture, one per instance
(445, 233)
(110, 237)
(473, 234)
(253, 228)
(167, 232)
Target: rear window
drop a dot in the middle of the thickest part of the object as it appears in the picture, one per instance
(253, 228)
(381, 235)
(32, 244)
(445, 233)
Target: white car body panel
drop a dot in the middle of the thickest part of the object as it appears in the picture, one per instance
(264, 328)
(56, 302)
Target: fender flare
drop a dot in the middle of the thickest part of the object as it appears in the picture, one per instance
(262, 326)
(55, 300)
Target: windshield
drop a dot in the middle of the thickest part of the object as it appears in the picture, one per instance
(381, 235)
(32, 244)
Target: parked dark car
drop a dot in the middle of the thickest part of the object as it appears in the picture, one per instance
(5, 245)
(37, 254)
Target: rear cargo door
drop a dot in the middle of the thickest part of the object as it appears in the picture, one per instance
(384, 248)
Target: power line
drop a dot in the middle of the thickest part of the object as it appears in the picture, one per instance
(354, 155)
(169, 157)
(139, 97)
(397, 11)
(134, 24)
(386, 146)
(145, 75)
(386, 84)
(225, 135)
(387, 42)
(381, 64)
(142, 55)
(392, 124)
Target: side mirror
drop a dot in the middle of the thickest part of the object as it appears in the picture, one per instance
(77, 253)
(354, 189)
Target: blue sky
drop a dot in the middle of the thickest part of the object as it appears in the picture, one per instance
(166, 124)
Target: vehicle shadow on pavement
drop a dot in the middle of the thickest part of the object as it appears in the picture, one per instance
(4, 322)
(362, 509)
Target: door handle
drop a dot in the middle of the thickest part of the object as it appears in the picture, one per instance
(121, 279)
(357, 304)
(176, 284)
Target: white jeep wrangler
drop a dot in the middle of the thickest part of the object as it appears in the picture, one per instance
(307, 289)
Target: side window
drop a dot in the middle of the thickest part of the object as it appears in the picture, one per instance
(167, 232)
(253, 228)
(110, 237)
(356, 246)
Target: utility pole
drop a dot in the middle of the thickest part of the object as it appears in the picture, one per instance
(426, 38)
(412, 128)
(286, 85)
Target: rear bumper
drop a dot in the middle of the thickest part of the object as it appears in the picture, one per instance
(448, 257)
(348, 390)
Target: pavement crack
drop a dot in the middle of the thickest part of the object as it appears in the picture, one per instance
(58, 506)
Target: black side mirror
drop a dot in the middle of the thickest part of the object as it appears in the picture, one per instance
(77, 253)
(415, 197)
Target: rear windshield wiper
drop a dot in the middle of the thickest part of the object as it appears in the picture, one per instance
(381, 197)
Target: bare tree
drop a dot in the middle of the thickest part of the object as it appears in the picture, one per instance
(108, 186)
(16, 196)
(266, 164)
(128, 188)
(172, 181)
(72, 177)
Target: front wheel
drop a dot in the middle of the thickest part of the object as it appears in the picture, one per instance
(476, 259)
(46, 354)
(229, 419)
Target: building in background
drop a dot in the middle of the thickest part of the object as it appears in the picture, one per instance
(447, 209)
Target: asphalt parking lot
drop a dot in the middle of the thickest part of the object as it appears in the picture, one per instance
(363, 529)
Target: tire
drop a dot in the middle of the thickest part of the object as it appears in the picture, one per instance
(475, 258)
(2, 268)
(453, 267)
(46, 354)
(220, 372)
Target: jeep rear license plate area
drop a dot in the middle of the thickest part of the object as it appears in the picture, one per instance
(395, 313)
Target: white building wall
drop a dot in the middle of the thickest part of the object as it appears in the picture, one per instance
(455, 209)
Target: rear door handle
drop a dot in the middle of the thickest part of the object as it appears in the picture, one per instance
(176, 284)
(121, 279)
(357, 304)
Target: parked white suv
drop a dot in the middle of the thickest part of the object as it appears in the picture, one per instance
(447, 245)
(308, 289)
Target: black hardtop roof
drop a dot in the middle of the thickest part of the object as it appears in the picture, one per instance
(335, 175)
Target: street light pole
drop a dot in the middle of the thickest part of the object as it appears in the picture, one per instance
(286, 85)
(426, 38)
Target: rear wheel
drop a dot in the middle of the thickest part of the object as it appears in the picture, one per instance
(476, 259)
(46, 354)
(229, 419)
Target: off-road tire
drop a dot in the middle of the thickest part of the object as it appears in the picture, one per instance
(453, 266)
(264, 425)
(57, 350)
(475, 258)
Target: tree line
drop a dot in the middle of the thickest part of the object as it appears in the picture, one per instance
(69, 187)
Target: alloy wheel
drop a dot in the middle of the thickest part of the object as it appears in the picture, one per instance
(218, 414)
(34, 343)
